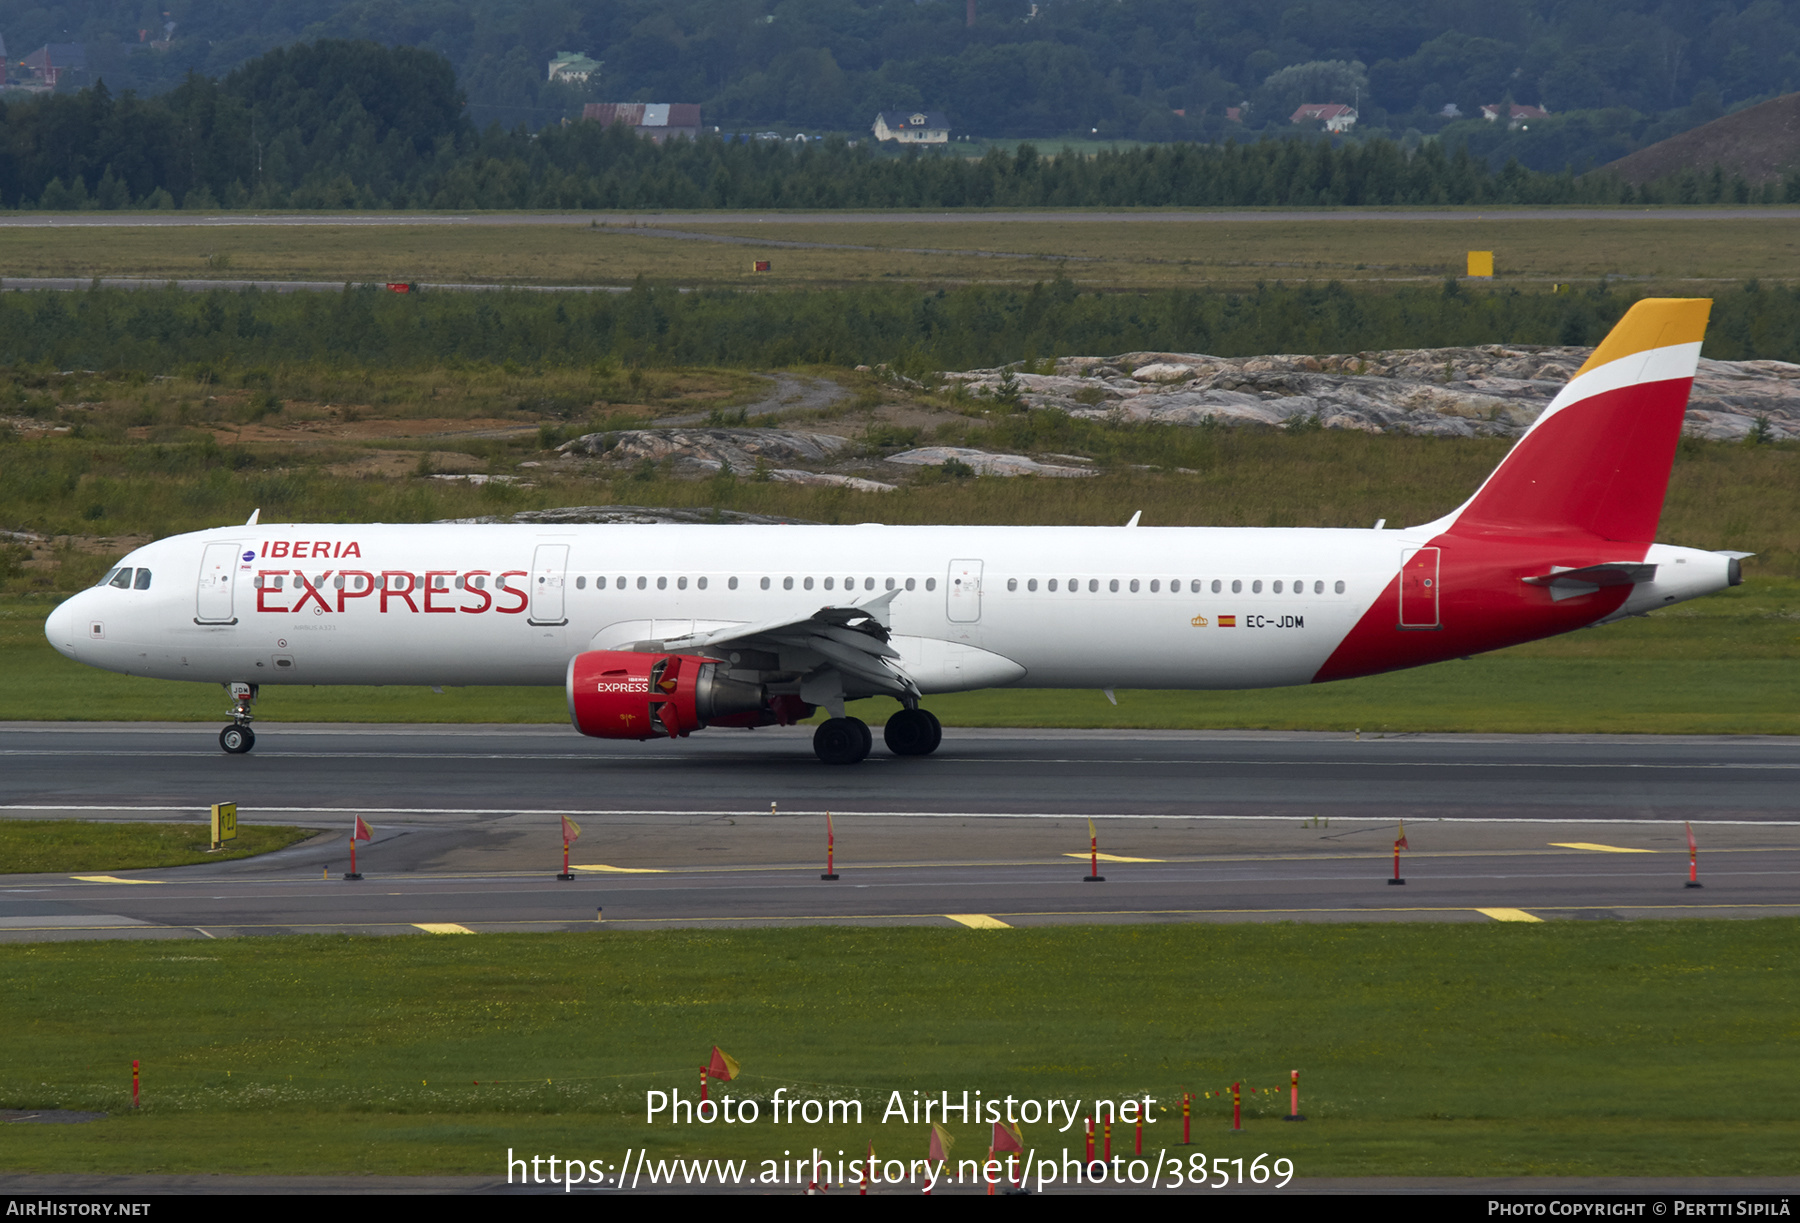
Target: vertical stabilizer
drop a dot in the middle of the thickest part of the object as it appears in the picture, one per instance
(1596, 463)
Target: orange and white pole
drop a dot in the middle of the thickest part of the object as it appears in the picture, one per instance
(1237, 1108)
(830, 845)
(1093, 875)
(1293, 1097)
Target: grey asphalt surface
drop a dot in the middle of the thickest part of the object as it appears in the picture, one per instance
(729, 828)
(110, 220)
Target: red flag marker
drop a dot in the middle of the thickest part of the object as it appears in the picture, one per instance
(1399, 844)
(938, 1151)
(359, 833)
(1008, 1139)
(830, 844)
(571, 831)
(1693, 880)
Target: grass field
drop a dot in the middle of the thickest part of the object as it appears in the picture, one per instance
(1681, 255)
(1644, 1048)
(1728, 664)
(34, 846)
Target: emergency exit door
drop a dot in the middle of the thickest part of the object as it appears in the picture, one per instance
(549, 573)
(962, 591)
(1419, 589)
(218, 574)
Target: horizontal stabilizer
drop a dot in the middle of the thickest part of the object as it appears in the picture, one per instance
(1566, 583)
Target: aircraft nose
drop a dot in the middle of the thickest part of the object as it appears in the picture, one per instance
(59, 627)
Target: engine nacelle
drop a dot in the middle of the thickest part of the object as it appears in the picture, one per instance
(622, 694)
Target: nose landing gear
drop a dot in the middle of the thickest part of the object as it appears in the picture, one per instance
(238, 738)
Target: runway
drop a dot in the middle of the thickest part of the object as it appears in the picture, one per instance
(991, 832)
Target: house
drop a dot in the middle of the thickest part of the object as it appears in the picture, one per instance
(1516, 115)
(572, 66)
(913, 126)
(53, 61)
(658, 120)
(1334, 115)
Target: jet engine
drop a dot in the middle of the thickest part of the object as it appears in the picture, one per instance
(621, 694)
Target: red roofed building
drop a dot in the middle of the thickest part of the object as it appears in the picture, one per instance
(657, 120)
(1335, 116)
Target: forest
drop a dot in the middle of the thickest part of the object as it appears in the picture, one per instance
(337, 124)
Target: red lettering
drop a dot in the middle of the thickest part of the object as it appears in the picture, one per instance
(524, 600)
(300, 552)
(280, 548)
(263, 588)
(430, 589)
(346, 593)
(404, 593)
(469, 587)
(321, 549)
(352, 549)
(312, 592)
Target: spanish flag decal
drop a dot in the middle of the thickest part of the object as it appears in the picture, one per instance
(1227, 621)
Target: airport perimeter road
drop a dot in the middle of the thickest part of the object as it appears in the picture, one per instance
(993, 831)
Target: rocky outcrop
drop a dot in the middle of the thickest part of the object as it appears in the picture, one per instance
(710, 450)
(986, 463)
(1492, 390)
(633, 515)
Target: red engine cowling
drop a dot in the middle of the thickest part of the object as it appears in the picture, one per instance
(622, 694)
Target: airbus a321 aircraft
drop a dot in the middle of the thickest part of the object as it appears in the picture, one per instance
(659, 631)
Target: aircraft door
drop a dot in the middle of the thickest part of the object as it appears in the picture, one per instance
(549, 569)
(1419, 588)
(218, 573)
(962, 591)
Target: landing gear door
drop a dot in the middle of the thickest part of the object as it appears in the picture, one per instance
(962, 591)
(218, 574)
(1419, 588)
(549, 570)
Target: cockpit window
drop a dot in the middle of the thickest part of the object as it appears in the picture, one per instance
(143, 580)
(106, 577)
(122, 579)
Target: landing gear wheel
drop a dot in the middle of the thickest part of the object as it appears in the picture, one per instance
(912, 732)
(842, 740)
(237, 739)
(937, 730)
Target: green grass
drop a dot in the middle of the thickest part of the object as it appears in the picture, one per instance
(1727, 664)
(28, 846)
(1643, 1048)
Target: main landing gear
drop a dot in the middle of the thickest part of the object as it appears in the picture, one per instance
(911, 732)
(238, 738)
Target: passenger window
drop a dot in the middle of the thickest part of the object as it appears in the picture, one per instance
(827, 583)
(1114, 586)
(909, 583)
(701, 582)
(1256, 587)
(807, 584)
(1155, 586)
(765, 583)
(480, 583)
(1277, 585)
(1237, 586)
(680, 584)
(1318, 588)
(642, 583)
(600, 583)
(143, 580)
(1012, 583)
(868, 583)
(1134, 585)
(1050, 586)
(787, 583)
(122, 579)
(1094, 585)
(1340, 588)
(1300, 587)
(930, 583)
(1031, 585)
(580, 583)
(890, 583)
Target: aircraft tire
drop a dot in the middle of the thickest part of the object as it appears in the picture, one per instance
(937, 731)
(842, 740)
(237, 739)
(912, 732)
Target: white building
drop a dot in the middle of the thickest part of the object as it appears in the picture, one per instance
(912, 126)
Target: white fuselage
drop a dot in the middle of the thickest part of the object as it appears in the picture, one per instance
(978, 606)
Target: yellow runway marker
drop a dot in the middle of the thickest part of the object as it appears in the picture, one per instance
(111, 879)
(978, 921)
(1599, 849)
(621, 870)
(1509, 915)
(1114, 858)
(442, 927)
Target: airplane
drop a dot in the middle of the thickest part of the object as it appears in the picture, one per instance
(657, 631)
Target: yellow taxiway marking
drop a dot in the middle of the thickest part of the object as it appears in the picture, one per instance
(621, 870)
(1114, 858)
(1599, 849)
(1509, 915)
(978, 921)
(111, 879)
(442, 927)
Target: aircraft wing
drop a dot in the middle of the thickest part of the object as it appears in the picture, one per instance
(851, 640)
